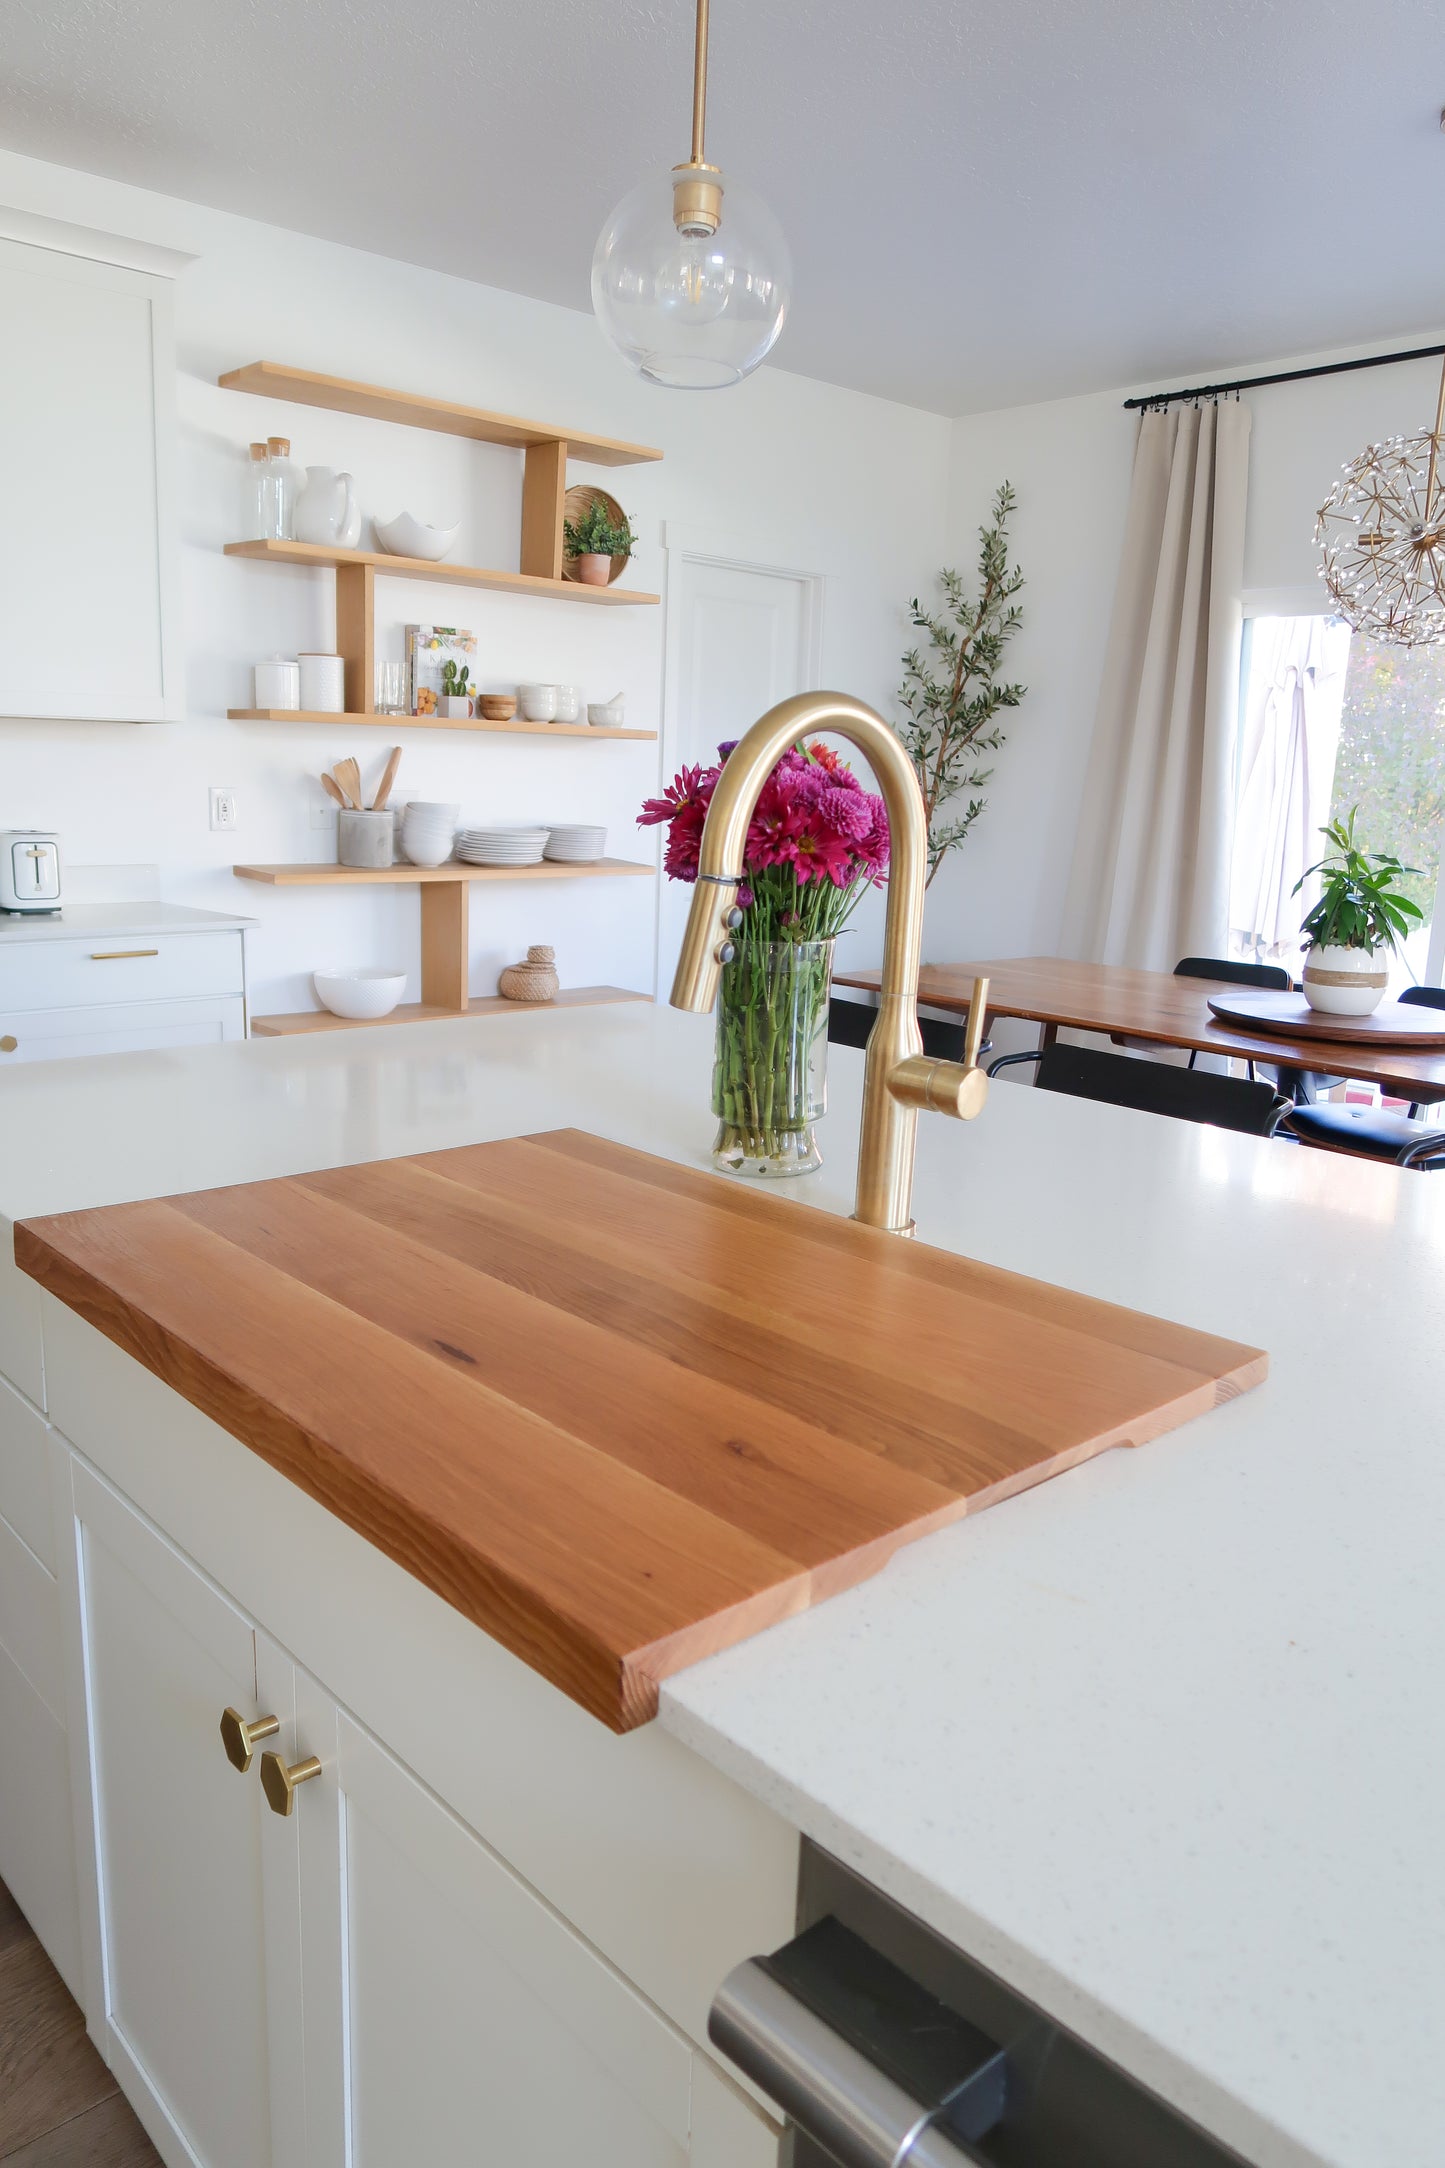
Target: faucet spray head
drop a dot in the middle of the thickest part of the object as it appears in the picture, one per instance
(707, 941)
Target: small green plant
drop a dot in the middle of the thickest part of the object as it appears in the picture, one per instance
(1361, 901)
(454, 681)
(952, 696)
(597, 534)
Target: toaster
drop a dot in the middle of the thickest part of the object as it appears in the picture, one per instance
(29, 871)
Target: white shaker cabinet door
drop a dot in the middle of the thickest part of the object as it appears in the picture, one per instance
(188, 1882)
(459, 2018)
(87, 453)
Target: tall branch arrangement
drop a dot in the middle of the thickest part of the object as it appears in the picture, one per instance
(952, 695)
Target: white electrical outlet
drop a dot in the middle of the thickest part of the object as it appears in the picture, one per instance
(223, 808)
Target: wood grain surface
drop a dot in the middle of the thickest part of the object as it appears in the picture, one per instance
(1157, 1007)
(1394, 1023)
(619, 1413)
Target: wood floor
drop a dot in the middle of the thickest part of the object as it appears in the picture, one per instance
(59, 2107)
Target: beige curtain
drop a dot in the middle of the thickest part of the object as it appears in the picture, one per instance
(1150, 879)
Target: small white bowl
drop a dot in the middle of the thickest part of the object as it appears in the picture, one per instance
(408, 537)
(362, 996)
(539, 702)
(426, 850)
(605, 714)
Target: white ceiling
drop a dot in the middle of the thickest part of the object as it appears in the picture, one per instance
(988, 201)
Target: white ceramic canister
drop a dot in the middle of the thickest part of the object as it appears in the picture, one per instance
(278, 682)
(323, 684)
(1345, 981)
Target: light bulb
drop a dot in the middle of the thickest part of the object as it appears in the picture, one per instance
(691, 279)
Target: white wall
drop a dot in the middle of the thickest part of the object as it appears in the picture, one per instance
(796, 471)
(1070, 460)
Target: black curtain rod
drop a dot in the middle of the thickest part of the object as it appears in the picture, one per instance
(1284, 376)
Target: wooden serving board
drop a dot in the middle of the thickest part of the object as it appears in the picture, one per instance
(1394, 1023)
(618, 1413)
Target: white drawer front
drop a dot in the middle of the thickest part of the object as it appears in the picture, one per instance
(25, 1474)
(120, 1027)
(119, 967)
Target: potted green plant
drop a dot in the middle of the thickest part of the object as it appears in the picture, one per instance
(455, 702)
(595, 541)
(1362, 911)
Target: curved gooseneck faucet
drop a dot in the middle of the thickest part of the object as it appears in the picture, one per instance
(898, 1078)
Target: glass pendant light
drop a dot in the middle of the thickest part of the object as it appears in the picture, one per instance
(691, 275)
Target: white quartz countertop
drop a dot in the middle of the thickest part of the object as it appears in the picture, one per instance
(1160, 1741)
(79, 919)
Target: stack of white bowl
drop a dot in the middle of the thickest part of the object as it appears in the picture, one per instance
(574, 843)
(501, 846)
(428, 830)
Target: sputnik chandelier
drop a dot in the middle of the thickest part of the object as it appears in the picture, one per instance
(691, 275)
(1382, 528)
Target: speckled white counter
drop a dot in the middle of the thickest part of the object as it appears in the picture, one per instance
(1160, 1741)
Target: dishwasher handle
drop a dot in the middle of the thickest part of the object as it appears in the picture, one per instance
(860, 2057)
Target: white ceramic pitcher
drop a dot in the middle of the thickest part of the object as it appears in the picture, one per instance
(327, 510)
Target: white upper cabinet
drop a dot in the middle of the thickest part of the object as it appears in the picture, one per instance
(88, 624)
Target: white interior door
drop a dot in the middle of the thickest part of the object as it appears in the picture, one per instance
(740, 638)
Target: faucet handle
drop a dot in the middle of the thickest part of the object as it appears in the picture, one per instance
(940, 1087)
(973, 1029)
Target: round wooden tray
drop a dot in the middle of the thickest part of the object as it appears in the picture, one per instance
(1394, 1023)
(577, 503)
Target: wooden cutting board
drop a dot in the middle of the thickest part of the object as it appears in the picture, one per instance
(618, 1413)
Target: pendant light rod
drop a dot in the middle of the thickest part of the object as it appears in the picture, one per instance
(1435, 452)
(699, 85)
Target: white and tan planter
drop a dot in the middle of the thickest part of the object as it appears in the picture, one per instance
(1345, 981)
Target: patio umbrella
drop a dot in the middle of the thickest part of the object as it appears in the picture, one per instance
(1290, 735)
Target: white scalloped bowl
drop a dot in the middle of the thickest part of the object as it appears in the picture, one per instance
(362, 996)
(408, 537)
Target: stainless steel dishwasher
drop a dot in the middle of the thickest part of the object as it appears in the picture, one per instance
(886, 2047)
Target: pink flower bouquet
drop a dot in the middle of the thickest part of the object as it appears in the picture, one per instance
(817, 842)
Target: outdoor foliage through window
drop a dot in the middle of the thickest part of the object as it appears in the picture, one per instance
(1391, 758)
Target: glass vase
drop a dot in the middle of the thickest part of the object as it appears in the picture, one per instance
(769, 1079)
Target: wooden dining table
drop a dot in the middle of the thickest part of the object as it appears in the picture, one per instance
(1157, 1008)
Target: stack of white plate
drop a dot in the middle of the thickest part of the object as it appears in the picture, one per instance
(575, 844)
(427, 828)
(501, 846)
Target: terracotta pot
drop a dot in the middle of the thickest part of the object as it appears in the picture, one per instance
(593, 568)
(1345, 981)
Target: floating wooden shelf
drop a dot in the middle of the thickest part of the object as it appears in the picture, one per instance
(275, 380)
(514, 729)
(422, 1012)
(452, 873)
(320, 556)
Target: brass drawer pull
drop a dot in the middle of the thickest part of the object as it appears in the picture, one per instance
(9, 1043)
(279, 1783)
(239, 1738)
(118, 955)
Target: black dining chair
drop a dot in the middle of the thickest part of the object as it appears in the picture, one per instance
(1233, 974)
(849, 1023)
(1155, 1087)
(1372, 1132)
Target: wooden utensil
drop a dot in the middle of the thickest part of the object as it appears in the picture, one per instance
(378, 803)
(348, 775)
(333, 790)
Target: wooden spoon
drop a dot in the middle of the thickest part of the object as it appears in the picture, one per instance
(378, 803)
(333, 790)
(348, 775)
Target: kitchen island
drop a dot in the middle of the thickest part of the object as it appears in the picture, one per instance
(1155, 1742)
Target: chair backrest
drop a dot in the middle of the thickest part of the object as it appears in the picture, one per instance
(849, 1023)
(1155, 1087)
(1425, 997)
(1233, 974)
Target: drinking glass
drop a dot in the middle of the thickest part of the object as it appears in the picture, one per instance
(388, 688)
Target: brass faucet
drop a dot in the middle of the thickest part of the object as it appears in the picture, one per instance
(898, 1078)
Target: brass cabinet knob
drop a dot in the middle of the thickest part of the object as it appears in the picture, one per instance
(279, 1783)
(239, 1738)
(9, 1043)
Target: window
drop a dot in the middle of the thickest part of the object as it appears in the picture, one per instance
(1331, 720)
